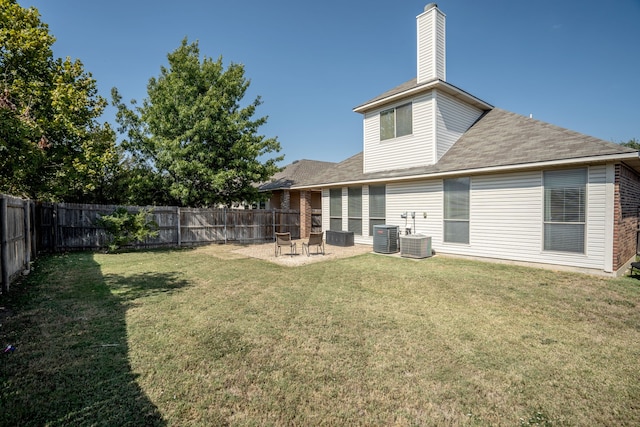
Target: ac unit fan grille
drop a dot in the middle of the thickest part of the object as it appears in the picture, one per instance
(415, 246)
(385, 239)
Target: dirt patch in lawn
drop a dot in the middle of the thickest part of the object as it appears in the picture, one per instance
(266, 251)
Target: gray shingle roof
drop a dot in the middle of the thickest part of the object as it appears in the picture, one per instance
(503, 138)
(498, 138)
(396, 90)
(300, 172)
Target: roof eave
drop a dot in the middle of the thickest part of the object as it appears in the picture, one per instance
(435, 84)
(632, 159)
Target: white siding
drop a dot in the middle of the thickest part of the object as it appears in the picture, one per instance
(325, 209)
(421, 197)
(431, 45)
(453, 118)
(365, 211)
(441, 64)
(596, 213)
(506, 217)
(345, 208)
(407, 151)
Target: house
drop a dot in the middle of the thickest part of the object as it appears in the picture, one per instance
(307, 201)
(481, 181)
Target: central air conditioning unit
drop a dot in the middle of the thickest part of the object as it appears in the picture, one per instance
(385, 239)
(415, 246)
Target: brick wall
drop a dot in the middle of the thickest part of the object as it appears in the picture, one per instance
(285, 201)
(305, 214)
(626, 206)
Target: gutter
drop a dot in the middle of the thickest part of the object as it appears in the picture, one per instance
(635, 156)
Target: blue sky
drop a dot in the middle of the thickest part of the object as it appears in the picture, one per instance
(573, 63)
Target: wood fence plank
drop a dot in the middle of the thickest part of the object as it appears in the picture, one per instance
(4, 245)
(27, 228)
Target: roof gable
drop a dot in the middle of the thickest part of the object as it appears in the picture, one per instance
(412, 88)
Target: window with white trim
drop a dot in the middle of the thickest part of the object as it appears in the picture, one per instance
(335, 209)
(395, 122)
(355, 210)
(565, 194)
(456, 210)
(377, 206)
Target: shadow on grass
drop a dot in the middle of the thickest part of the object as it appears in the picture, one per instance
(133, 287)
(71, 363)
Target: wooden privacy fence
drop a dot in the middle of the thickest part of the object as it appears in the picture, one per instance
(70, 226)
(17, 238)
(28, 228)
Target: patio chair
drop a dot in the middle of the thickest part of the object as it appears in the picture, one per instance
(284, 239)
(315, 239)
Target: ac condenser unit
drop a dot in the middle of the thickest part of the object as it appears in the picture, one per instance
(385, 239)
(415, 246)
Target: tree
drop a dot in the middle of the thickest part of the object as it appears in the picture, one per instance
(632, 143)
(193, 134)
(51, 146)
(124, 227)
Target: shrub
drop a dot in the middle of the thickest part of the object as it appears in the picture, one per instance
(124, 227)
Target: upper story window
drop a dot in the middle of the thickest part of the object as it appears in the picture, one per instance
(395, 122)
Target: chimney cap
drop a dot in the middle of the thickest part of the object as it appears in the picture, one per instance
(430, 6)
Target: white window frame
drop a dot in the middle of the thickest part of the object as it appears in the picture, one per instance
(561, 212)
(393, 114)
(354, 211)
(374, 217)
(452, 219)
(335, 217)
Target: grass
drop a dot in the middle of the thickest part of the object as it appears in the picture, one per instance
(203, 337)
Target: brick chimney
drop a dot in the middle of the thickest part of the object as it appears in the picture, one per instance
(431, 44)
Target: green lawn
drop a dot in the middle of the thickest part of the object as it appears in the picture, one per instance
(203, 337)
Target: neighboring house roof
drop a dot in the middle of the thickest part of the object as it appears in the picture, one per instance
(300, 172)
(499, 140)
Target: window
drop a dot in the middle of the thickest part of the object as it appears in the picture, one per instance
(335, 209)
(396, 122)
(355, 210)
(564, 210)
(377, 202)
(456, 210)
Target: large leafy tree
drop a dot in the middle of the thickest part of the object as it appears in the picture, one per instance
(51, 145)
(192, 138)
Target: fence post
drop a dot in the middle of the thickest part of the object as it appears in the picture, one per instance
(224, 213)
(27, 233)
(179, 227)
(4, 245)
(54, 227)
(34, 229)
